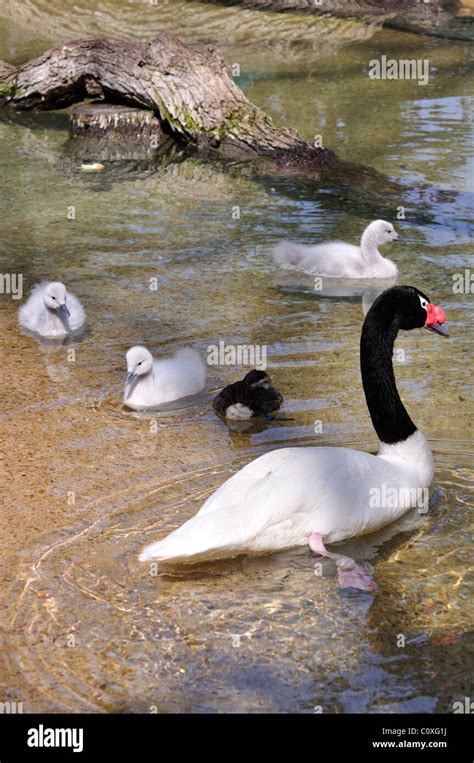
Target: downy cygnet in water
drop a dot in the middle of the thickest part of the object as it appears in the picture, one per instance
(336, 259)
(51, 310)
(150, 382)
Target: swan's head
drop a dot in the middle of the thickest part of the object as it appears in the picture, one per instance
(55, 298)
(381, 232)
(139, 362)
(411, 308)
(258, 379)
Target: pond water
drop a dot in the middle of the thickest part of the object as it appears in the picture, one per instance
(86, 483)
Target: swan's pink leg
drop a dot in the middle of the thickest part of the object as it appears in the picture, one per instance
(348, 572)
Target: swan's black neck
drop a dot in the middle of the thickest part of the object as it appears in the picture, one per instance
(389, 416)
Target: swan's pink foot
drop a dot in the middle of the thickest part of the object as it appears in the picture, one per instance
(348, 573)
(316, 544)
(351, 576)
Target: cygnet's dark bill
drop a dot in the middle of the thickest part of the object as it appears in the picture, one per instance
(63, 311)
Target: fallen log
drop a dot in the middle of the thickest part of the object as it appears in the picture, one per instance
(190, 91)
(194, 99)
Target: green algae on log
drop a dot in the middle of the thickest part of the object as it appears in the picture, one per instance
(190, 91)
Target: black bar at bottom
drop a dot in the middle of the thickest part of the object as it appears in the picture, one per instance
(101, 737)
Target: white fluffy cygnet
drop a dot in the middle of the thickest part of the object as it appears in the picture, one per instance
(336, 259)
(51, 310)
(150, 382)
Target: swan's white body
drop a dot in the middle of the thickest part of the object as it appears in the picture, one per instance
(336, 259)
(35, 316)
(169, 379)
(281, 498)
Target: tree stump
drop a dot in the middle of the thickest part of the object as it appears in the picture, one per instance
(106, 131)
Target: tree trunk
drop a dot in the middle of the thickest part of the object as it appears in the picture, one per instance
(191, 92)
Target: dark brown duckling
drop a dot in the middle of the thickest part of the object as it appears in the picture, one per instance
(253, 396)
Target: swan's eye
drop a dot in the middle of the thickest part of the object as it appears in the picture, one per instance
(139, 364)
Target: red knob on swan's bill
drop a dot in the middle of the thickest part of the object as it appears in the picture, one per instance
(435, 317)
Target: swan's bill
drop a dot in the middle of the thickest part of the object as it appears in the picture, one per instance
(437, 328)
(435, 317)
(63, 311)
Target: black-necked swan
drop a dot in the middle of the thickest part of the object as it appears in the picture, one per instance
(51, 310)
(318, 495)
(253, 396)
(336, 259)
(150, 382)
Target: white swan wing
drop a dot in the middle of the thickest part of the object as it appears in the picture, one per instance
(31, 314)
(279, 499)
(77, 315)
(182, 375)
(332, 259)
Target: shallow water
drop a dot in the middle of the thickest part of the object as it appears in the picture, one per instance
(87, 484)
